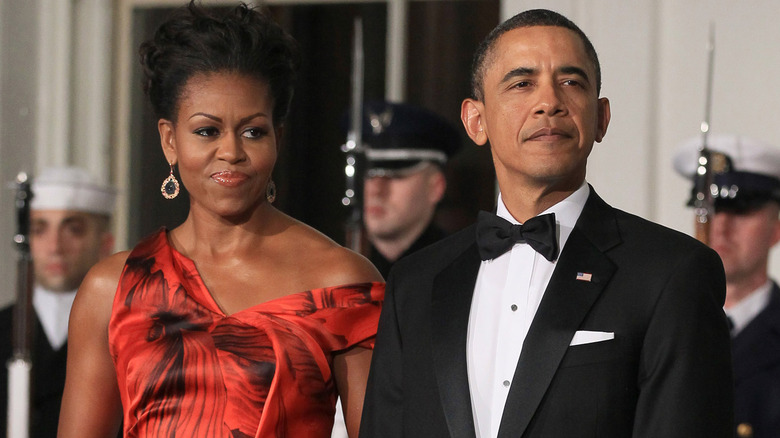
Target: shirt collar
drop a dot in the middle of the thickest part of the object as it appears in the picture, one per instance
(748, 308)
(53, 310)
(566, 211)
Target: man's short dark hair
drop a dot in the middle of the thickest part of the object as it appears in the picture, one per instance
(530, 18)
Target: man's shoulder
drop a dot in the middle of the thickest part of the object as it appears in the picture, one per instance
(439, 254)
(6, 330)
(645, 227)
(6, 317)
(631, 239)
(636, 230)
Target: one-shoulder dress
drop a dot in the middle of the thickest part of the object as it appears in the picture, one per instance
(186, 369)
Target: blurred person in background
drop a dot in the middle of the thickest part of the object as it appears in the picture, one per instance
(70, 221)
(407, 148)
(745, 228)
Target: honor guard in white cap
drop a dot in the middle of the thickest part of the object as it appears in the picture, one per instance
(70, 216)
(745, 227)
(406, 149)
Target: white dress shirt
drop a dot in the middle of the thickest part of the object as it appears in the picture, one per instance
(748, 308)
(507, 294)
(53, 311)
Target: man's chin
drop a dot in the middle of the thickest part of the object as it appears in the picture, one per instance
(59, 286)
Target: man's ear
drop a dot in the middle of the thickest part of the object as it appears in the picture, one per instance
(437, 185)
(603, 121)
(471, 115)
(167, 140)
(775, 237)
(106, 244)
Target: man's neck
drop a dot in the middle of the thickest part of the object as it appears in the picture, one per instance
(739, 289)
(392, 248)
(524, 202)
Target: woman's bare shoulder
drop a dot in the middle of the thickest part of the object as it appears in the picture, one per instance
(332, 263)
(102, 280)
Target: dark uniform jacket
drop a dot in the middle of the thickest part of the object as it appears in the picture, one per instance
(47, 379)
(756, 351)
(431, 235)
(667, 372)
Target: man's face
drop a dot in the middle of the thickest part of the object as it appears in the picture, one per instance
(64, 246)
(541, 112)
(393, 206)
(743, 240)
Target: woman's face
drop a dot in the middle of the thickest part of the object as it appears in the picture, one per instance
(224, 142)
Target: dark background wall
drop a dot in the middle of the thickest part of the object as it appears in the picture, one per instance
(442, 36)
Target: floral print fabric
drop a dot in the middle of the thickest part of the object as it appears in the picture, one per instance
(186, 369)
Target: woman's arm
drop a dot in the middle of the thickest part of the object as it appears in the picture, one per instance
(351, 373)
(91, 406)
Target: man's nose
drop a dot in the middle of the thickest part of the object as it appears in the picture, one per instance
(549, 101)
(51, 241)
(375, 185)
(721, 222)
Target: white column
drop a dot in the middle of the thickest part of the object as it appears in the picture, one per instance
(395, 66)
(52, 133)
(90, 104)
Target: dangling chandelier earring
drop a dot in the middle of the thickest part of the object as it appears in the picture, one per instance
(270, 192)
(170, 187)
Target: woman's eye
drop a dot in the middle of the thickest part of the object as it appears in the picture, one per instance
(254, 133)
(207, 132)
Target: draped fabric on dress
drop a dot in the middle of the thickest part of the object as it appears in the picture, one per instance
(186, 369)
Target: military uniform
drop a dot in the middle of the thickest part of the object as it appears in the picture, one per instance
(746, 176)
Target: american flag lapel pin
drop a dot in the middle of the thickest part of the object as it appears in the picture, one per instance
(584, 276)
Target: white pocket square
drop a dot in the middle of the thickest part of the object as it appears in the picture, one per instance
(589, 337)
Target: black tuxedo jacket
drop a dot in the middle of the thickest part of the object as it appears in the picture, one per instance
(756, 351)
(667, 372)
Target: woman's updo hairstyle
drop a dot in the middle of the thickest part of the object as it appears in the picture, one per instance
(195, 41)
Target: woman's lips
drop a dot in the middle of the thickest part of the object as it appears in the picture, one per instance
(229, 179)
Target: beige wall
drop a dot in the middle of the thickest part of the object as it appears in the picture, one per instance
(18, 26)
(653, 58)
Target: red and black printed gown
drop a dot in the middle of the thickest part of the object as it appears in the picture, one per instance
(186, 369)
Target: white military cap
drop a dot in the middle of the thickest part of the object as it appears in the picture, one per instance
(71, 188)
(751, 176)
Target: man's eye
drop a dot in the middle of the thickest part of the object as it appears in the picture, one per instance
(572, 82)
(523, 84)
(76, 229)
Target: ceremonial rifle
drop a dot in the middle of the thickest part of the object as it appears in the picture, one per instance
(709, 162)
(20, 365)
(355, 152)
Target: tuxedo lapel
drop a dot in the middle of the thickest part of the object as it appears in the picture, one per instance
(567, 300)
(451, 302)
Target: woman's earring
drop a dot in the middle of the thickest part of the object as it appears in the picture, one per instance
(270, 192)
(170, 187)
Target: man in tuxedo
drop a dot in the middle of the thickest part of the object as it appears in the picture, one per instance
(745, 227)
(585, 321)
(70, 216)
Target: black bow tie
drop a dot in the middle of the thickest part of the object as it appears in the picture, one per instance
(496, 235)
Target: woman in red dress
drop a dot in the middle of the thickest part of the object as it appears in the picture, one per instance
(241, 321)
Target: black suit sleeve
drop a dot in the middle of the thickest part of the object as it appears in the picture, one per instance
(383, 406)
(685, 384)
